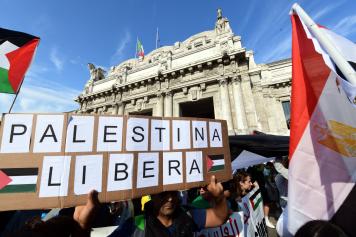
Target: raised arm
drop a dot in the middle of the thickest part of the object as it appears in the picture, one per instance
(218, 214)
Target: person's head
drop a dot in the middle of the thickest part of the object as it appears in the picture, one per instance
(165, 203)
(204, 193)
(242, 183)
(59, 226)
(320, 228)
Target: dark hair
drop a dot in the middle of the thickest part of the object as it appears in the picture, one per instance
(235, 188)
(320, 228)
(59, 226)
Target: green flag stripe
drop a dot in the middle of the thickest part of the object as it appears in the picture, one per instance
(5, 86)
(21, 188)
(257, 203)
(216, 168)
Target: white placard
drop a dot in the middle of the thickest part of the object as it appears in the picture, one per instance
(80, 132)
(137, 134)
(200, 134)
(160, 135)
(88, 173)
(55, 176)
(110, 134)
(194, 166)
(172, 168)
(120, 172)
(16, 133)
(48, 135)
(215, 134)
(147, 170)
(181, 134)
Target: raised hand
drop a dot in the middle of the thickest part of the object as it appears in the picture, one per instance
(84, 215)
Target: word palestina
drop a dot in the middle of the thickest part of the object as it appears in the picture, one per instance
(22, 134)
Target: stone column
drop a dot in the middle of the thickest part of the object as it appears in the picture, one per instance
(121, 108)
(241, 122)
(250, 108)
(271, 114)
(168, 104)
(225, 103)
(85, 104)
(282, 123)
(116, 109)
(160, 105)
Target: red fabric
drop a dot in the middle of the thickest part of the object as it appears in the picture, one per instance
(309, 75)
(209, 163)
(20, 59)
(4, 179)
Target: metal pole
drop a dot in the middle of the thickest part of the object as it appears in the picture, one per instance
(13, 102)
(136, 47)
(327, 44)
(157, 38)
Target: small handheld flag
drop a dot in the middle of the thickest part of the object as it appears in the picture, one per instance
(16, 52)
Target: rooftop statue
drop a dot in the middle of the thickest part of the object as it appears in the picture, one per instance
(96, 74)
(222, 23)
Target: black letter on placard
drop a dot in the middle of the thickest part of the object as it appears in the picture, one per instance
(120, 171)
(140, 134)
(18, 133)
(173, 167)
(201, 135)
(144, 169)
(109, 133)
(194, 168)
(217, 134)
(49, 127)
(84, 173)
(50, 178)
(75, 135)
(160, 133)
(178, 134)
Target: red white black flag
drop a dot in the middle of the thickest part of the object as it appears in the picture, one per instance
(322, 171)
(16, 52)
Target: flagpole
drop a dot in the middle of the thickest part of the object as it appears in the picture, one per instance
(157, 38)
(336, 56)
(13, 102)
(136, 47)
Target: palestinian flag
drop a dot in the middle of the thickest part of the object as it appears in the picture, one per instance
(215, 162)
(139, 49)
(256, 199)
(18, 180)
(322, 166)
(16, 52)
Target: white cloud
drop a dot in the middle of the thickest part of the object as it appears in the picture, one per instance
(119, 53)
(282, 50)
(56, 60)
(346, 26)
(34, 98)
(35, 71)
(318, 15)
(40, 94)
(265, 29)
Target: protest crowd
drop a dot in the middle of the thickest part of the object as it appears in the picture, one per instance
(251, 200)
(171, 213)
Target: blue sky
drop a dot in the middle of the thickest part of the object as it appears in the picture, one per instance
(76, 32)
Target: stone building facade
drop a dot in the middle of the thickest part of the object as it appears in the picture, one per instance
(208, 75)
